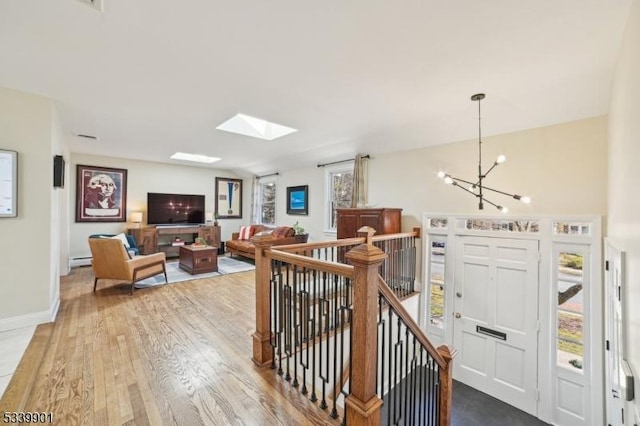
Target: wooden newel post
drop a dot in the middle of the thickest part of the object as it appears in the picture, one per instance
(446, 384)
(262, 350)
(363, 404)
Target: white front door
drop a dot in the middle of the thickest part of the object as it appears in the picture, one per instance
(496, 318)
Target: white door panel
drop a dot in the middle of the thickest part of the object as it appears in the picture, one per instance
(613, 335)
(495, 329)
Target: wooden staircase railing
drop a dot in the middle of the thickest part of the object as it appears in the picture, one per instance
(318, 322)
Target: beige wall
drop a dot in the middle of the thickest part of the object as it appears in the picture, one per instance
(563, 168)
(624, 175)
(143, 177)
(30, 250)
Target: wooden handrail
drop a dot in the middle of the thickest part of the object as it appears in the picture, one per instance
(345, 242)
(400, 310)
(320, 244)
(308, 262)
(415, 233)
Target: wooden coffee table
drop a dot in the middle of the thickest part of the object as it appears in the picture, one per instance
(198, 260)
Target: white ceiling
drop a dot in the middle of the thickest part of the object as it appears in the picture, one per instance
(152, 77)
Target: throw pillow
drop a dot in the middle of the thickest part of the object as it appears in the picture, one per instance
(282, 232)
(245, 233)
(122, 238)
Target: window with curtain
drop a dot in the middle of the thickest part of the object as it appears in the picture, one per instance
(266, 204)
(339, 183)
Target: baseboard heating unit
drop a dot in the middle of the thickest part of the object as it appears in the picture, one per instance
(79, 261)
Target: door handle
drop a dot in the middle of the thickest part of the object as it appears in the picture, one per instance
(458, 315)
(459, 294)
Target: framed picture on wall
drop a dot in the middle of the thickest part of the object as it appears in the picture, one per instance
(298, 200)
(101, 194)
(228, 198)
(8, 183)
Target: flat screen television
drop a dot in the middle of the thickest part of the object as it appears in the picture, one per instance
(174, 209)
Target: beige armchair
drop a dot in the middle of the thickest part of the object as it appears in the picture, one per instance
(111, 261)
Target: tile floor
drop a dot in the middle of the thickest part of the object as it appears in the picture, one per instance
(473, 408)
(469, 407)
(13, 343)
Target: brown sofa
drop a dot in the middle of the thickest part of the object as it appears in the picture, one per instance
(283, 235)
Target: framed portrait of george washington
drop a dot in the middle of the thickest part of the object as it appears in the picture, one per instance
(101, 194)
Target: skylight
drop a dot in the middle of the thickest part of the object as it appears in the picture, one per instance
(194, 157)
(255, 127)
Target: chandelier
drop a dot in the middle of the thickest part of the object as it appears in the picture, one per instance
(478, 187)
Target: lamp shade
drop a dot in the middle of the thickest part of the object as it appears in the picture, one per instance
(208, 216)
(136, 217)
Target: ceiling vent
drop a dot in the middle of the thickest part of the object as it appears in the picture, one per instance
(95, 4)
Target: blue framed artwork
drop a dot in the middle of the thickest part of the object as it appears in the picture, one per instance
(298, 200)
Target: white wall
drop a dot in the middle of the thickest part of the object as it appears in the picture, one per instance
(624, 175)
(30, 249)
(143, 177)
(314, 221)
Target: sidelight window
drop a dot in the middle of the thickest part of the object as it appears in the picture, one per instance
(570, 310)
(437, 283)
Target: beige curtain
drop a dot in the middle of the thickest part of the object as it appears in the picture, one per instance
(255, 188)
(359, 188)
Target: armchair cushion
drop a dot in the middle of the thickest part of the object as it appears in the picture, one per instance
(122, 238)
(132, 247)
(282, 232)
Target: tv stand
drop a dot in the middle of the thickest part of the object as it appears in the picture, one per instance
(152, 239)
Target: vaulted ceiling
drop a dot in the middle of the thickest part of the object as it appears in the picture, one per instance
(152, 77)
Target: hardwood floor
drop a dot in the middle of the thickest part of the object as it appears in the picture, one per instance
(177, 354)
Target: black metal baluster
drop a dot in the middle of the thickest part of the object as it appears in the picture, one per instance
(314, 333)
(288, 320)
(434, 387)
(405, 273)
(407, 371)
(296, 325)
(420, 387)
(399, 373)
(324, 375)
(280, 316)
(306, 341)
(273, 305)
(382, 336)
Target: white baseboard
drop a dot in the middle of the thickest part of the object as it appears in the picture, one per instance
(80, 261)
(28, 320)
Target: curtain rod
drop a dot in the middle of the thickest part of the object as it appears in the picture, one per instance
(342, 161)
(272, 174)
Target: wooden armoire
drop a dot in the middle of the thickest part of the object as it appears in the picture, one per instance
(383, 220)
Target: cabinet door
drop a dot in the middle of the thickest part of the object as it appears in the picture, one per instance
(347, 224)
(149, 241)
(371, 219)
